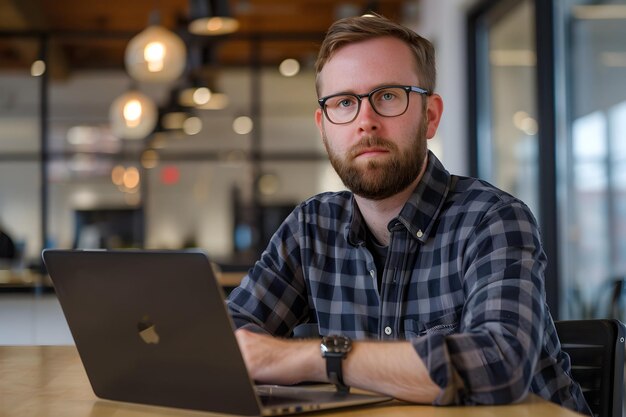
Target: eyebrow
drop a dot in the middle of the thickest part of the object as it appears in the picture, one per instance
(386, 84)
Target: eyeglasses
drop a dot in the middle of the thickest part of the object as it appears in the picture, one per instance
(387, 101)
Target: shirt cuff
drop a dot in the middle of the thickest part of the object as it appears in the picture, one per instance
(435, 355)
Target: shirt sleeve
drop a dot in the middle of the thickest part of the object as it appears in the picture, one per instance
(491, 359)
(272, 296)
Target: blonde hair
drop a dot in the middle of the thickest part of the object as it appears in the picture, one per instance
(361, 28)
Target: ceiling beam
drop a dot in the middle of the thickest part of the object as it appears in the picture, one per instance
(28, 15)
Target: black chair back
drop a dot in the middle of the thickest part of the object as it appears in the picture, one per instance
(596, 349)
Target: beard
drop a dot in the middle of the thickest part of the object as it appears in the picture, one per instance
(380, 179)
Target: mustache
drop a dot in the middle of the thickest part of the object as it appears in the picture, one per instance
(371, 142)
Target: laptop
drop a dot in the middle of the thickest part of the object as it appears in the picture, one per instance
(152, 327)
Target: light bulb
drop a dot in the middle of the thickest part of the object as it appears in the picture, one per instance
(192, 125)
(289, 67)
(117, 174)
(38, 68)
(243, 125)
(131, 178)
(132, 113)
(201, 96)
(154, 54)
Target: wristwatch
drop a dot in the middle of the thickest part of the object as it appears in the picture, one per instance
(334, 350)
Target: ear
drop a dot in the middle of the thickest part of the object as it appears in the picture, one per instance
(319, 120)
(434, 110)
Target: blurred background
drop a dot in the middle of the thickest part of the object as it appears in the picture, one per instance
(171, 124)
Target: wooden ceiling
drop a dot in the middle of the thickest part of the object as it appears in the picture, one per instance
(92, 34)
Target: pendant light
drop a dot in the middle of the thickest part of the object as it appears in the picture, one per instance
(133, 115)
(211, 18)
(156, 54)
(202, 95)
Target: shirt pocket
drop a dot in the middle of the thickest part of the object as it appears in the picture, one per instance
(443, 325)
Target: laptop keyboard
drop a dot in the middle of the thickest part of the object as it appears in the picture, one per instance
(271, 395)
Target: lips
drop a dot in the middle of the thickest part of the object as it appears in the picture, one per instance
(371, 146)
(368, 151)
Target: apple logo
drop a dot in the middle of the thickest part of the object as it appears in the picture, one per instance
(147, 331)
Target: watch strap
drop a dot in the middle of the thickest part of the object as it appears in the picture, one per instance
(334, 372)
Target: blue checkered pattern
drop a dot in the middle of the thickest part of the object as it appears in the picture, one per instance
(463, 281)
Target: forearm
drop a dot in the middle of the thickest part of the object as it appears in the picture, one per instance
(275, 360)
(391, 368)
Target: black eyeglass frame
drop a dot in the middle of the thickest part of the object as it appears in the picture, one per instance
(407, 89)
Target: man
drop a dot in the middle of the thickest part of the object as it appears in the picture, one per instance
(428, 286)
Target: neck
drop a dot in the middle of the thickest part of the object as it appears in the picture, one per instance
(378, 213)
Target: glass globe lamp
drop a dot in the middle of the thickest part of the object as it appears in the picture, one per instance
(133, 115)
(155, 55)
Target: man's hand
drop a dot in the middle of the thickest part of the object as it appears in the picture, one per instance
(281, 361)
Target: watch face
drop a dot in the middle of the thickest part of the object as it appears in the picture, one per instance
(336, 344)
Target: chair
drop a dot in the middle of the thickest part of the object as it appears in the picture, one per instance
(596, 349)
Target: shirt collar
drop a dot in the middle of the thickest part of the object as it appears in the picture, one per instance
(419, 212)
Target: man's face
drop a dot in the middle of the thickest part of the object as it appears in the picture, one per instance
(375, 156)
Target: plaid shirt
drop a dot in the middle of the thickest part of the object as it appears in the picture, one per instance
(463, 281)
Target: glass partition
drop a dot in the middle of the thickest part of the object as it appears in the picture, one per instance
(508, 146)
(593, 156)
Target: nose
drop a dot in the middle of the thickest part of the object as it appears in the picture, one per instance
(368, 120)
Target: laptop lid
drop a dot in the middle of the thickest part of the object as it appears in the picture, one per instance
(152, 327)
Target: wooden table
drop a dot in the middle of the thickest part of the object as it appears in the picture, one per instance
(49, 381)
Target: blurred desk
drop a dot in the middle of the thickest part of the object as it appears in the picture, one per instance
(50, 381)
(27, 280)
(22, 279)
(230, 279)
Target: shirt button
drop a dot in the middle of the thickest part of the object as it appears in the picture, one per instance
(419, 233)
(388, 331)
(372, 273)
